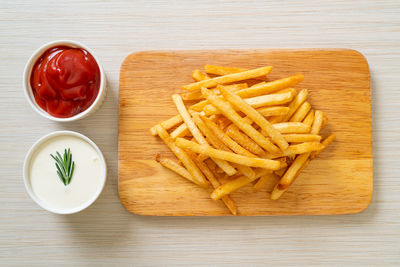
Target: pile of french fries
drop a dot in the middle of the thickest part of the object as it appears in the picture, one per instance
(230, 134)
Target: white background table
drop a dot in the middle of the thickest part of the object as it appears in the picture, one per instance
(105, 234)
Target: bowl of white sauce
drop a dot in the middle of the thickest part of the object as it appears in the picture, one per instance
(64, 172)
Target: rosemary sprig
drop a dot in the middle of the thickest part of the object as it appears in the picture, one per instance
(65, 166)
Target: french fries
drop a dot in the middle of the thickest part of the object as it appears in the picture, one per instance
(231, 114)
(228, 156)
(219, 70)
(231, 135)
(292, 127)
(197, 175)
(175, 167)
(256, 117)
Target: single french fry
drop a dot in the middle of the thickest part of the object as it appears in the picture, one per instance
(270, 100)
(183, 157)
(301, 112)
(228, 156)
(243, 140)
(181, 131)
(317, 124)
(292, 127)
(219, 70)
(175, 167)
(256, 117)
(167, 124)
(299, 138)
(187, 119)
(273, 111)
(268, 180)
(230, 78)
(225, 166)
(226, 139)
(266, 88)
(197, 75)
(215, 183)
(291, 172)
(257, 102)
(309, 119)
(231, 114)
(234, 185)
(325, 142)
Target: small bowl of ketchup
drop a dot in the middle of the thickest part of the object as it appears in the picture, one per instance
(64, 81)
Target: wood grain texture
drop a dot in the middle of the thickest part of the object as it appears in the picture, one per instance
(337, 182)
(106, 234)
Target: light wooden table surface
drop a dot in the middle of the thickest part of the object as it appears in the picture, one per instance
(107, 235)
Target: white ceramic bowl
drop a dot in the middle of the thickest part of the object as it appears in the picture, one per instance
(28, 89)
(28, 185)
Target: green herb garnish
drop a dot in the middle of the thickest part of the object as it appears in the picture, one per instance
(65, 166)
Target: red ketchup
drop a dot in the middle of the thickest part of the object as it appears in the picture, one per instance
(65, 81)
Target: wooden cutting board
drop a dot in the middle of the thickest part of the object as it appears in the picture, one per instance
(339, 181)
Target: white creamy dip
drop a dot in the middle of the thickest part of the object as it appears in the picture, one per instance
(87, 179)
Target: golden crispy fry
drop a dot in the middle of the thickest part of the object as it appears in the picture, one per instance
(266, 88)
(309, 119)
(270, 100)
(231, 114)
(268, 180)
(228, 156)
(317, 124)
(243, 140)
(219, 70)
(215, 183)
(183, 157)
(256, 102)
(175, 167)
(181, 131)
(325, 142)
(197, 75)
(187, 119)
(301, 112)
(291, 172)
(234, 185)
(225, 166)
(299, 138)
(292, 127)
(230, 78)
(256, 117)
(226, 139)
(167, 124)
(273, 111)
